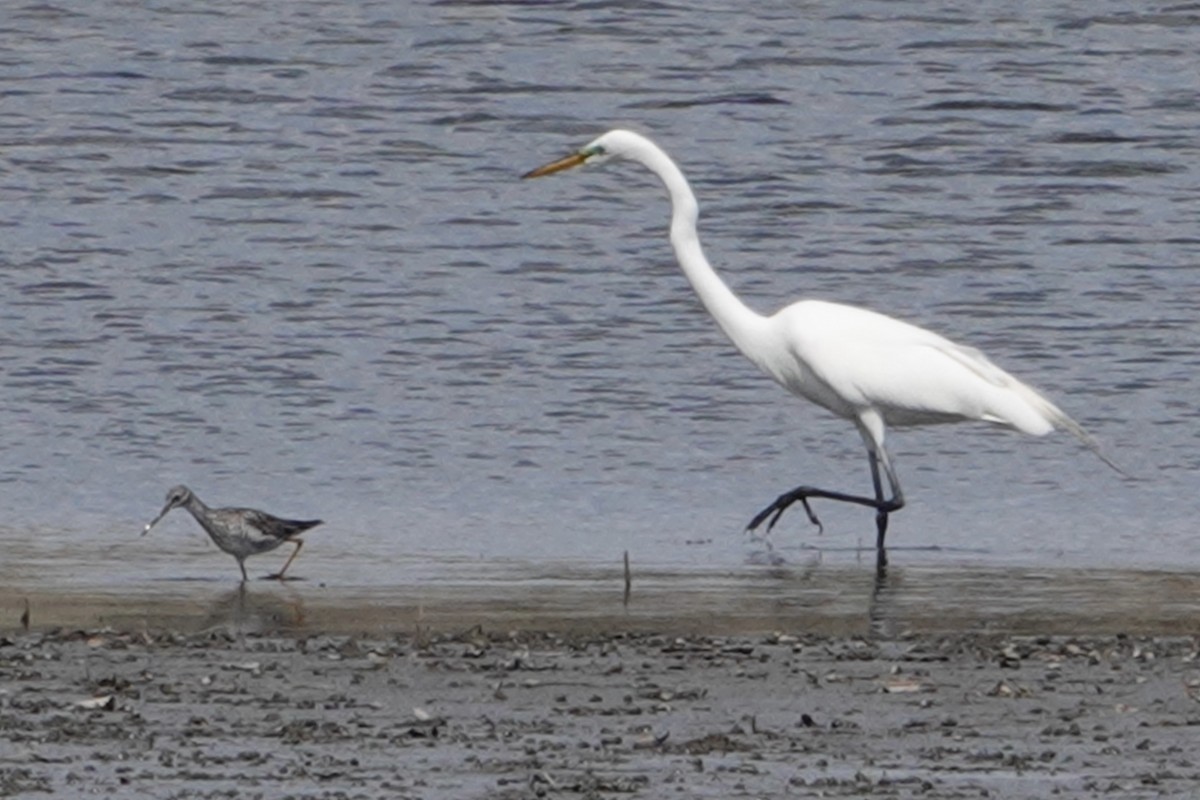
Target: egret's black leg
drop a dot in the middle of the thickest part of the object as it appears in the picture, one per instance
(881, 515)
(879, 456)
(802, 494)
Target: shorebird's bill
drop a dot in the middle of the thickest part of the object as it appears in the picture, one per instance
(154, 521)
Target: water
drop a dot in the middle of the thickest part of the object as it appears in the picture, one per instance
(279, 252)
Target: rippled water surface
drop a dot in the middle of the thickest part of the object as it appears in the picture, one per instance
(280, 252)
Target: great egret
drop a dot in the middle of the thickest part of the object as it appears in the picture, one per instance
(865, 367)
(241, 532)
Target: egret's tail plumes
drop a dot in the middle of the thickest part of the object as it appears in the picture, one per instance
(1059, 419)
(1075, 429)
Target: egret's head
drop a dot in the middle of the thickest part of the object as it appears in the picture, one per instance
(613, 144)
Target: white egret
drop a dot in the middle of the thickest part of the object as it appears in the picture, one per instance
(868, 368)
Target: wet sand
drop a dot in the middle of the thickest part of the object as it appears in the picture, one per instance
(260, 694)
(523, 714)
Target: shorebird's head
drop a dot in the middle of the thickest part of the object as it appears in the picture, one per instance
(176, 497)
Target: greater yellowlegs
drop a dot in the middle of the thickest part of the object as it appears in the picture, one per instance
(241, 532)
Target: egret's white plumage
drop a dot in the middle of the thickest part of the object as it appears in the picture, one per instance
(869, 368)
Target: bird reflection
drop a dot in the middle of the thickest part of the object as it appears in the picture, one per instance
(243, 610)
(813, 591)
(883, 620)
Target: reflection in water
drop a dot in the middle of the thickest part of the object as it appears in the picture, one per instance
(810, 598)
(881, 621)
(243, 610)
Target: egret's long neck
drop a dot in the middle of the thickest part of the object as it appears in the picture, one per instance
(737, 320)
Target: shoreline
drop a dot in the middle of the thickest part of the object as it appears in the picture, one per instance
(759, 682)
(536, 714)
(833, 600)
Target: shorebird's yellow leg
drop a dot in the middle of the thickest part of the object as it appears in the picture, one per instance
(279, 575)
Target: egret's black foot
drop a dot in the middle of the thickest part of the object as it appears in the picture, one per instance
(782, 504)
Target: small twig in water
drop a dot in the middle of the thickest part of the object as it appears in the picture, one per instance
(628, 579)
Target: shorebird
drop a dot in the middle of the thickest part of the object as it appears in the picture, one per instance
(241, 532)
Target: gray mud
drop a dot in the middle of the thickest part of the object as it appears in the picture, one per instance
(528, 715)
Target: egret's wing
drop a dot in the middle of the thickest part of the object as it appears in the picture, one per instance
(918, 375)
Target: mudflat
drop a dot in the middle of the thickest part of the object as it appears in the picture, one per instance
(526, 713)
